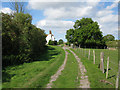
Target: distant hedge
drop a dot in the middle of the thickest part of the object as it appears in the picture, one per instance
(52, 42)
(112, 43)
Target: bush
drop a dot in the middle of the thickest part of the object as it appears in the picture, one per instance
(55, 42)
(52, 42)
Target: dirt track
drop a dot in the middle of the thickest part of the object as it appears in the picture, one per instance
(56, 75)
(84, 83)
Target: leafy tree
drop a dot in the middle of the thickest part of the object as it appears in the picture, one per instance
(60, 41)
(86, 32)
(70, 36)
(37, 41)
(21, 39)
(109, 37)
(9, 35)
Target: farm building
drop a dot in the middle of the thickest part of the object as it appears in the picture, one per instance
(50, 36)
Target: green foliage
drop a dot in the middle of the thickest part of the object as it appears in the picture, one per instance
(60, 41)
(112, 43)
(70, 35)
(67, 43)
(55, 42)
(109, 37)
(52, 42)
(86, 33)
(21, 39)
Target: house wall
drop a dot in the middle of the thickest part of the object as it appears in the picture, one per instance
(50, 37)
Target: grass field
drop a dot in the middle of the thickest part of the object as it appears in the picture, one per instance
(35, 74)
(68, 77)
(93, 72)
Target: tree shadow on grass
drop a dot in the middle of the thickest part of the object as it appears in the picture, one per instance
(6, 76)
(111, 76)
(47, 55)
(105, 70)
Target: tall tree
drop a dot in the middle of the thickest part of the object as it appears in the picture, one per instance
(70, 36)
(87, 33)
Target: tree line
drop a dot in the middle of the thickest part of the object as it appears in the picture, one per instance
(86, 33)
(21, 40)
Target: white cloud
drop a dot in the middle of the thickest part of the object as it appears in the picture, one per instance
(64, 10)
(70, 13)
(7, 10)
(115, 4)
(109, 19)
(104, 12)
(55, 24)
(45, 4)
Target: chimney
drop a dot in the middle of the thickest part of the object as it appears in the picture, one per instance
(50, 32)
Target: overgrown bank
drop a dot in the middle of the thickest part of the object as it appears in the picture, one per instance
(35, 74)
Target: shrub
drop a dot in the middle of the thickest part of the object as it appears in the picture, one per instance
(52, 42)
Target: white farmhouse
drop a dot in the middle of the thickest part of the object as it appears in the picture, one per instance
(50, 36)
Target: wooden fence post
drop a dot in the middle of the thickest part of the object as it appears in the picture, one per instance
(93, 56)
(102, 62)
(107, 67)
(89, 55)
(82, 51)
(118, 75)
(85, 51)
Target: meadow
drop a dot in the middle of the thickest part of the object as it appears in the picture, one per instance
(95, 75)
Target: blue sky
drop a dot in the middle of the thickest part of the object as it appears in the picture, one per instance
(60, 16)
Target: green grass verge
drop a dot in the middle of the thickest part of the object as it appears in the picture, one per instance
(35, 74)
(93, 72)
(68, 77)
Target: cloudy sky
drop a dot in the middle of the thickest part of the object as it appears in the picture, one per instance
(60, 15)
